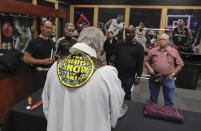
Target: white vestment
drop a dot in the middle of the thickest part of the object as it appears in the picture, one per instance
(93, 107)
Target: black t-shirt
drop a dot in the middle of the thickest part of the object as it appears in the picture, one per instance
(180, 37)
(40, 49)
(129, 59)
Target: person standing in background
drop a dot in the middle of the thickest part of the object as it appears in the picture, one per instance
(39, 53)
(109, 46)
(182, 37)
(115, 25)
(64, 43)
(141, 35)
(165, 62)
(7, 32)
(78, 30)
(129, 58)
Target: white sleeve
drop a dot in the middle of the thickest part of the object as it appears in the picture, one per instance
(47, 90)
(116, 94)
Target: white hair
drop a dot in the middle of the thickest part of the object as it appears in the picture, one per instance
(92, 36)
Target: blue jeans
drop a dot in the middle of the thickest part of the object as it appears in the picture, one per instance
(127, 84)
(168, 90)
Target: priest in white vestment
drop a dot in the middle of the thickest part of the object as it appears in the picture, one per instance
(81, 93)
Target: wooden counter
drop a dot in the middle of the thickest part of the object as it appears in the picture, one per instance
(14, 87)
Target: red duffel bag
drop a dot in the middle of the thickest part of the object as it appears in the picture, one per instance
(163, 112)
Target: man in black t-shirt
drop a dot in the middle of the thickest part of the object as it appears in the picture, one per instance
(40, 52)
(181, 36)
(129, 58)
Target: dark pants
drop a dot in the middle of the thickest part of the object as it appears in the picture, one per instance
(127, 84)
(39, 78)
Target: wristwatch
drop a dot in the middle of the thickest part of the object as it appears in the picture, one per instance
(174, 76)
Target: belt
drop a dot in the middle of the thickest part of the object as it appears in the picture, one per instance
(42, 69)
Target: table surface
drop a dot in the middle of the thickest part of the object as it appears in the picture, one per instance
(20, 119)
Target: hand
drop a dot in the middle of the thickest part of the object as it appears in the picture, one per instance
(151, 71)
(170, 76)
(48, 61)
(136, 81)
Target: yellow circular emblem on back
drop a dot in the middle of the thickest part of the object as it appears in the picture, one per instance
(75, 70)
